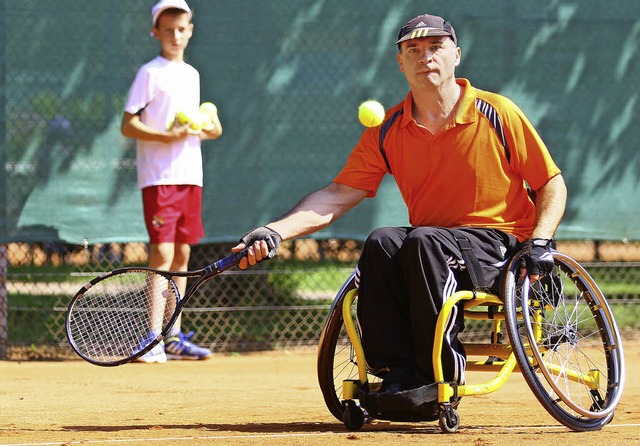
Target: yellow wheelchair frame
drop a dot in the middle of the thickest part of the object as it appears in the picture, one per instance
(562, 334)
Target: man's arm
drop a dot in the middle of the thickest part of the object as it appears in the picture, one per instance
(550, 204)
(314, 212)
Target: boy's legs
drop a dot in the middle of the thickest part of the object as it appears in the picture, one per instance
(174, 221)
(171, 257)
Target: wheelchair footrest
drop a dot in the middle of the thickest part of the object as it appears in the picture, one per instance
(407, 399)
(420, 404)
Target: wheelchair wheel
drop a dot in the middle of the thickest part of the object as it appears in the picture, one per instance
(566, 343)
(336, 357)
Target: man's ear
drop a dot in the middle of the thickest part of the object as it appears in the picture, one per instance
(400, 62)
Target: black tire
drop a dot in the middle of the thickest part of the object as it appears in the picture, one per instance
(449, 420)
(353, 416)
(336, 357)
(336, 360)
(576, 331)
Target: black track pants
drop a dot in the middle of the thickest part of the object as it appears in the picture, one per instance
(405, 275)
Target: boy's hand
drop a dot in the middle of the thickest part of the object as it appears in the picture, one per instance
(177, 131)
(212, 132)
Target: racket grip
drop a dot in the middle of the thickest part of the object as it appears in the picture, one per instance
(233, 260)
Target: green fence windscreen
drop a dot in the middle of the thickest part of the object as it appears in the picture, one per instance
(287, 76)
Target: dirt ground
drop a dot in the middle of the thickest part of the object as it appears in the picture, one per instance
(257, 399)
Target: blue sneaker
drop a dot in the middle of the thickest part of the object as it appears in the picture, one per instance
(179, 347)
(156, 354)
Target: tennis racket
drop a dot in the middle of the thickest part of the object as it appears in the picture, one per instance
(121, 315)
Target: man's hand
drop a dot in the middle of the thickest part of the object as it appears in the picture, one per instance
(258, 248)
(537, 258)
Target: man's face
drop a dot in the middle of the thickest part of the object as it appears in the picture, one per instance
(428, 61)
(173, 31)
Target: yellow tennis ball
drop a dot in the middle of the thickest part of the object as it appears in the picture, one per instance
(195, 122)
(208, 108)
(371, 113)
(183, 118)
(207, 112)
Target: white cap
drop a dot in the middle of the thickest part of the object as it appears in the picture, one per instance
(166, 4)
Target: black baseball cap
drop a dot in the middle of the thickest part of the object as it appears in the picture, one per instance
(426, 25)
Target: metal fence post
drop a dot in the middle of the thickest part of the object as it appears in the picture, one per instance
(3, 204)
(3, 301)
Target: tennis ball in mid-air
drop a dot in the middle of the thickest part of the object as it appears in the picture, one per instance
(371, 113)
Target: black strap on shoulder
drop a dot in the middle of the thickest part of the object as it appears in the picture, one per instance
(471, 261)
(383, 132)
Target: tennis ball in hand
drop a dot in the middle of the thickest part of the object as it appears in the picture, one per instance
(194, 123)
(183, 118)
(207, 112)
(371, 113)
(208, 108)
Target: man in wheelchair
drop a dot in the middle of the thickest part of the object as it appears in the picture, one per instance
(463, 159)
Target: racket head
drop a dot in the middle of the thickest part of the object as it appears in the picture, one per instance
(121, 315)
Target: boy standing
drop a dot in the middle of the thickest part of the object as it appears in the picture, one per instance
(169, 158)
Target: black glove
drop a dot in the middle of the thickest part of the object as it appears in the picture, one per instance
(537, 256)
(265, 233)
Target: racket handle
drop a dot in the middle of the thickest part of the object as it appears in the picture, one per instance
(233, 260)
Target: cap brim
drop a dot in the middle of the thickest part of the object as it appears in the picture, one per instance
(423, 32)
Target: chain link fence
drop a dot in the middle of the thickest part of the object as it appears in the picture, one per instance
(278, 304)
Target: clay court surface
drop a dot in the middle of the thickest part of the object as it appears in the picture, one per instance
(258, 399)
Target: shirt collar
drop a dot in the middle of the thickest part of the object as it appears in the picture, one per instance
(466, 108)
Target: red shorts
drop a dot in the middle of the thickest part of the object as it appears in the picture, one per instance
(173, 213)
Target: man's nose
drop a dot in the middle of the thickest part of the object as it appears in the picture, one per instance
(427, 55)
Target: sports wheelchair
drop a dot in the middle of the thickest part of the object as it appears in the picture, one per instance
(562, 337)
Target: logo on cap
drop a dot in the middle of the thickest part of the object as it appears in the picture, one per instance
(422, 32)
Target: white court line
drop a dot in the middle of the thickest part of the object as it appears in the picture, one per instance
(190, 438)
(139, 440)
(266, 436)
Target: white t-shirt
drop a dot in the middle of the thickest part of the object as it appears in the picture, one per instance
(160, 90)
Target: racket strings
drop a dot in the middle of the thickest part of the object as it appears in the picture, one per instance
(120, 315)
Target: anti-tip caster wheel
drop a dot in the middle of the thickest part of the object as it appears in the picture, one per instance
(353, 416)
(449, 420)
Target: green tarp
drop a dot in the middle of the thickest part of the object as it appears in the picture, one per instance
(287, 77)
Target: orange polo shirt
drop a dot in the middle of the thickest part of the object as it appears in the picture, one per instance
(461, 175)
